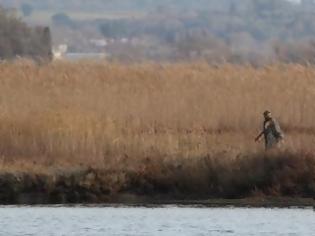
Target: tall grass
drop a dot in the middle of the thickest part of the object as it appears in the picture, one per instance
(118, 116)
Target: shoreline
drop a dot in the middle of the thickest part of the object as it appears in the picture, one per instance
(275, 181)
(90, 187)
(211, 203)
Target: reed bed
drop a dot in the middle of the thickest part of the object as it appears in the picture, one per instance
(89, 131)
(106, 115)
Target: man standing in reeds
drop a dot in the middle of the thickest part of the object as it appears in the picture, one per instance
(271, 132)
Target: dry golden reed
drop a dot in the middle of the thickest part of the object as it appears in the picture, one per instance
(103, 114)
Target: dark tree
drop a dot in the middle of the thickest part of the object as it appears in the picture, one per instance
(19, 40)
(62, 19)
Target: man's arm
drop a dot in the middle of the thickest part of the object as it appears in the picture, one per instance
(259, 136)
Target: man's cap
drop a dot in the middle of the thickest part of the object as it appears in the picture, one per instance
(266, 113)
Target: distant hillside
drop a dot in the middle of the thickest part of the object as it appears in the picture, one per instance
(236, 31)
(119, 5)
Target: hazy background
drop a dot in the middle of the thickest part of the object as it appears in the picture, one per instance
(236, 31)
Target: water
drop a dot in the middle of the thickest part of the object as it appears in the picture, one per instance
(155, 221)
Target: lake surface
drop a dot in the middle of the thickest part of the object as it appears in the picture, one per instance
(155, 221)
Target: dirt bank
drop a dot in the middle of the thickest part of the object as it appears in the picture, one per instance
(259, 177)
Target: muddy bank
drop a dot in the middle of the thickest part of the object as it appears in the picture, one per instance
(261, 178)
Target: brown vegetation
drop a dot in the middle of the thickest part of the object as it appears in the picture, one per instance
(181, 129)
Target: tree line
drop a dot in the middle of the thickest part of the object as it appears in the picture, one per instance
(17, 39)
(259, 31)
